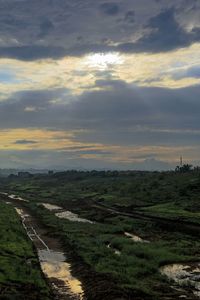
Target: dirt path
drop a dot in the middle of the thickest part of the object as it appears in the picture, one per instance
(58, 271)
(51, 256)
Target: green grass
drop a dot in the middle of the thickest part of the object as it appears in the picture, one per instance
(137, 267)
(170, 195)
(19, 268)
(172, 211)
(124, 190)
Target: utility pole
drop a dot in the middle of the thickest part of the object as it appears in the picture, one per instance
(181, 161)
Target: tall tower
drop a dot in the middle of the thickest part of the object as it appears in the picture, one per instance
(181, 161)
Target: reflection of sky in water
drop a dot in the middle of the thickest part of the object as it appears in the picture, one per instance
(65, 214)
(54, 266)
(184, 275)
(72, 217)
(51, 256)
(135, 238)
(60, 270)
(51, 207)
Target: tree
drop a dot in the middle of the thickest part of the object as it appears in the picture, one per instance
(184, 169)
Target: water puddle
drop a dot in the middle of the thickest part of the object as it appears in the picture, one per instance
(53, 262)
(14, 197)
(64, 214)
(135, 238)
(54, 266)
(185, 275)
(51, 207)
(116, 251)
(72, 217)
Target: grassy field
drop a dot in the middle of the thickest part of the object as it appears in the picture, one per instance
(170, 194)
(173, 211)
(135, 271)
(137, 266)
(20, 275)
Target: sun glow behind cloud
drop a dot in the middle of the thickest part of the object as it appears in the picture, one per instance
(99, 73)
(80, 73)
(103, 61)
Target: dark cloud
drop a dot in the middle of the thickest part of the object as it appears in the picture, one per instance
(24, 142)
(119, 113)
(130, 17)
(76, 148)
(29, 53)
(45, 27)
(60, 28)
(165, 34)
(111, 9)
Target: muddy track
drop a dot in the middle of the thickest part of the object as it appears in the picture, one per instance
(163, 222)
(51, 257)
(96, 286)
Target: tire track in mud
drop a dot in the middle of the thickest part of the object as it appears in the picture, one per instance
(51, 256)
(165, 223)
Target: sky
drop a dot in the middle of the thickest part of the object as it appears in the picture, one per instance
(104, 84)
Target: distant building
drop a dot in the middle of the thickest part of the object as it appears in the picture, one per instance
(50, 172)
(24, 174)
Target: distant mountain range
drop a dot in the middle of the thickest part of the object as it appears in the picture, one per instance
(7, 172)
(147, 165)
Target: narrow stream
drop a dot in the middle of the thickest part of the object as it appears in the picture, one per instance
(52, 258)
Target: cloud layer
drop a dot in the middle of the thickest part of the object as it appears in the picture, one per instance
(111, 84)
(62, 27)
(119, 114)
